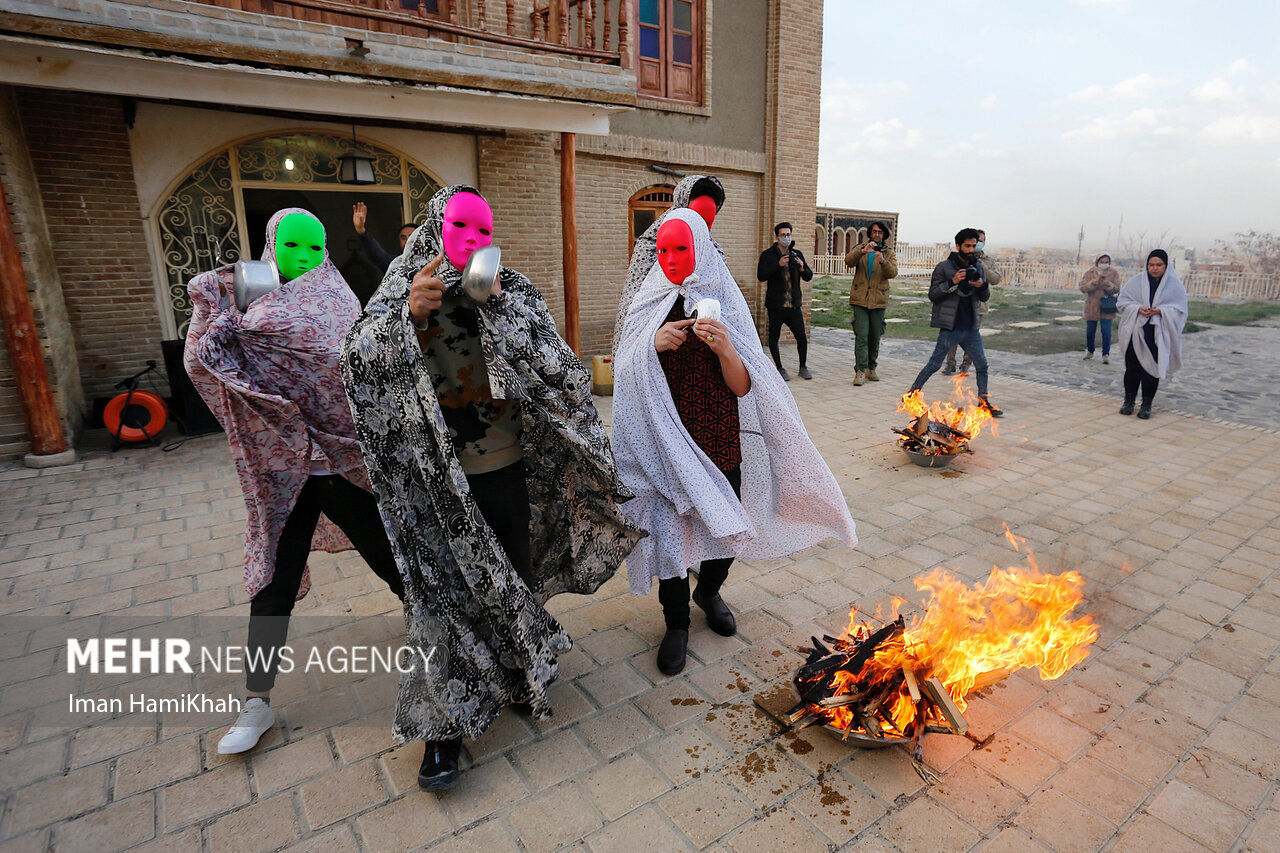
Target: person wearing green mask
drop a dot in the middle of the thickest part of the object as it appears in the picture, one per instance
(271, 376)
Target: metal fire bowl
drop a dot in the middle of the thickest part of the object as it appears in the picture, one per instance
(480, 272)
(856, 738)
(927, 460)
(253, 280)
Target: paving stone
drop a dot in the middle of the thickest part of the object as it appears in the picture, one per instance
(779, 830)
(622, 785)
(554, 818)
(1016, 762)
(620, 729)
(705, 810)
(979, 798)
(553, 759)
(212, 792)
(404, 824)
(52, 800)
(1063, 824)
(263, 826)
(163, 764)
(483, 790)
(927, 827)
(342, 794)
(642, 831)
(121, 824)
(287, 765)
(1197, 815)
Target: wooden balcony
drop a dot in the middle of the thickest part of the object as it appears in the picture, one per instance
(588, 30)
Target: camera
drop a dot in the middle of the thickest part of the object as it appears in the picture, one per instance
(971, 273)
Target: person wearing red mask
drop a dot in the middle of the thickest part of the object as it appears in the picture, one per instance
(702, 427)
(701, 193)
(494, 477)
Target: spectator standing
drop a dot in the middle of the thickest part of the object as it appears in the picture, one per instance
(782, 267)
(874, 265)
(1100, 282)
(1153, 311)
(380, 257)
(993, 279)
(956, 290)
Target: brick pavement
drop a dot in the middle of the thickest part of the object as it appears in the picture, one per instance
(1166, 737)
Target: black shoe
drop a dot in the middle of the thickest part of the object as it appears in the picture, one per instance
(1144, 411)
(524, 709)
(671, 653)
(439, 770)
(991, 407)
(948, 369)
(1127, 408)
(786, 377)
(719, 617)
(805, 374)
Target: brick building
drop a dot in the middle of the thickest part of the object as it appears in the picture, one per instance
(839, 229)
(142, 141)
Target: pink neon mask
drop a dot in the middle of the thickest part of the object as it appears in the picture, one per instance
(704, 206)
(675, 250)
(468, 225)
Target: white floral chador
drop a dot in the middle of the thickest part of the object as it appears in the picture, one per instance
(790, 500)
(494, 641)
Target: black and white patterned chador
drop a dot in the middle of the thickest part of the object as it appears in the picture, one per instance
(462, 594)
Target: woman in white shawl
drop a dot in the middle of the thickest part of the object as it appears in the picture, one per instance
(685, 490)
(1153, 311)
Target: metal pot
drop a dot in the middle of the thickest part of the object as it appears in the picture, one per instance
(929, 460)
(481, 272)
(253, 280)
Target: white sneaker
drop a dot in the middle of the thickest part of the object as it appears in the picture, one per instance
(254, 721)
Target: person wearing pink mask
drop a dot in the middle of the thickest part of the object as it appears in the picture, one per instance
(493, 475)
(709, 439)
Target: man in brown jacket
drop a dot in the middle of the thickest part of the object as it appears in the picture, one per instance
(874, 264)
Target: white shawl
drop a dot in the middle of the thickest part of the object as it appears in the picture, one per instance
(1171, 299)
(790, 500)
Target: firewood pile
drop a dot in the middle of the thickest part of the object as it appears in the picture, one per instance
(927, 436)
(941, 429)
(898, 682)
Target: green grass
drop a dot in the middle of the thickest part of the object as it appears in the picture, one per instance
(909, 301)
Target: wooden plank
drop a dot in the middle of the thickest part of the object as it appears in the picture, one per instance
(939, 696)
(913, 687)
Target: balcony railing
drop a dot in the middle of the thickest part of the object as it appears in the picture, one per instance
(590, 30)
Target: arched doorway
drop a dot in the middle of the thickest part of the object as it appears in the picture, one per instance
(643, 209)
(820, 241)
(218, 212)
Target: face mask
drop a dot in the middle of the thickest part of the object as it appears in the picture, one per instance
(468, 225)
(299, 245)
(1103, 267)
(675, 250)
(704, 206)
(979, 246)
(785, 241)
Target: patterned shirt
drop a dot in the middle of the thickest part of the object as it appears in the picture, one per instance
(708, 407)
(485, 431)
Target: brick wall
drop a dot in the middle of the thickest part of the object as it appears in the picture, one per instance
(793, 111)
(80, 151)
(520, 175)
(26, 210)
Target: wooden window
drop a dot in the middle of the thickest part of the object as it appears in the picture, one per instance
(643, 210)
(669, 48)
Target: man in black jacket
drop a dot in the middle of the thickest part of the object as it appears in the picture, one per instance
(957, 290)
(782, 266)
(378, 255)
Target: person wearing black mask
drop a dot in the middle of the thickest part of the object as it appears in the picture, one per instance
(957, 289)
(782, 267)
(1153, 310)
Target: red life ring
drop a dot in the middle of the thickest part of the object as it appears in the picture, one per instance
(141, 421)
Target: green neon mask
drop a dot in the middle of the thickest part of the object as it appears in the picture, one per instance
(299, 245)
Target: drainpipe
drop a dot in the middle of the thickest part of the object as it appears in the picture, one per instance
(48, 443)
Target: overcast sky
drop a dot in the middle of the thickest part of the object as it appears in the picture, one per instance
(1032, 118)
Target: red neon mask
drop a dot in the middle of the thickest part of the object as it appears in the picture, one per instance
(675, 250)
(704, 206)
(468, 225)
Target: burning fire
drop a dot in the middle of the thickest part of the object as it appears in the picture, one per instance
(968, 638)
(963, 417)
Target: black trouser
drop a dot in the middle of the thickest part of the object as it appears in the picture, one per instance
(503, 499)
(355, 511)
(793, 319)
(1135, 375)
(673, 593)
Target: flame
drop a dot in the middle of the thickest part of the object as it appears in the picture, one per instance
(963, 413)
(972, 636)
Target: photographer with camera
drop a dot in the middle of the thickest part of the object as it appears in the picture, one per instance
(874, 264)
(957, 290)
(782, 267)
(993, 279)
